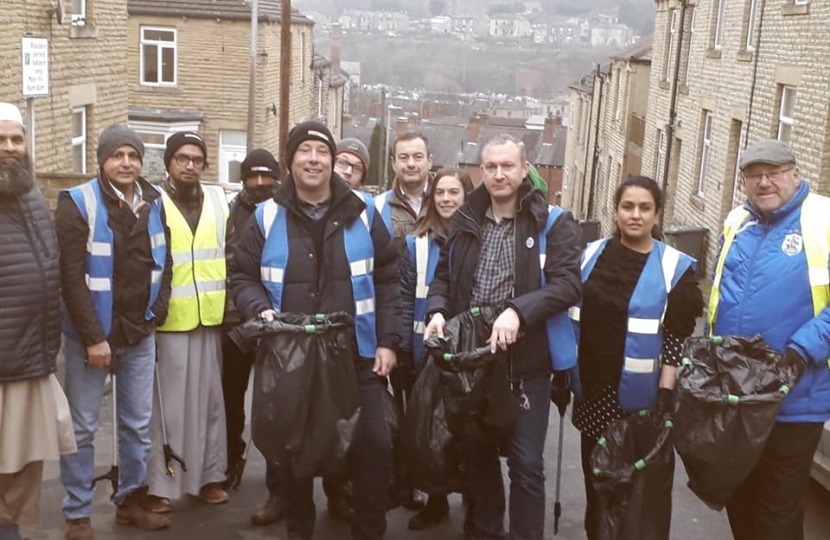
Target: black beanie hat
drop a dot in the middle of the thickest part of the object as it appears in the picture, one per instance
(259, 161)
(177, 140)
(308, 131)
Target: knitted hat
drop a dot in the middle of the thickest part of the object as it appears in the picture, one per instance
(116, 136)
(356, 148)
(308, 131)
(10, 113)
(259, 161)
(177, 140)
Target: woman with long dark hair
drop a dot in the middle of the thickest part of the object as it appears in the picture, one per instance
(640, 301)
(449, 191)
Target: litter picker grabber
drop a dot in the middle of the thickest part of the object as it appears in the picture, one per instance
(561, 396)
(112, 474)
(169, 455)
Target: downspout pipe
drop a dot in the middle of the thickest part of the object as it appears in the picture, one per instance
(670, 127)
(754, 72)
(591, 196)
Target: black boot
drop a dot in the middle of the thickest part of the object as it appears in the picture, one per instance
(436, 510)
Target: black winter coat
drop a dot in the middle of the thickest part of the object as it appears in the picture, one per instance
(132, 263)
(317, 276)
(29, 288)
(451, 290)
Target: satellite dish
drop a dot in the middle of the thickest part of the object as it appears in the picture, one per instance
(59, 14)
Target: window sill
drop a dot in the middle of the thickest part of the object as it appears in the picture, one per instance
(160, 89)
(792, 9)
(713, 53)
(744, 55)
(683, 89)
(698, 202)
(664, 85)
(86, 31)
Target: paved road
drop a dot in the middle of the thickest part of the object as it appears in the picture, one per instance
(191, 519)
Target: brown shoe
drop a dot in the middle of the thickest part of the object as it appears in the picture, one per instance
(213, 494)
(134, 511)
(158, 505)
(78, 529)
(271, 512)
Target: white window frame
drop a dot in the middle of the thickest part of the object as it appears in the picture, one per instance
(800, 2)
(750, 29)
(660, 156)
(80, 140)
(79, 18)
(786, 118)
(705, 148)
(160, 46)
(670, 45)
(618, 89)
(689, 48)
(719, 25)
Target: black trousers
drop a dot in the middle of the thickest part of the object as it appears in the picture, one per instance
(236, 370)
(370, 465)
(590, 523)
(769, 505)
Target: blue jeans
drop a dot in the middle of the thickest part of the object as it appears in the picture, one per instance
(525, 459)
(84, 387)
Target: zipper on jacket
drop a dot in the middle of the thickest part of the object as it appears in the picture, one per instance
(25, 212)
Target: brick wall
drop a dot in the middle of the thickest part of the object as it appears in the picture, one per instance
(87, 69)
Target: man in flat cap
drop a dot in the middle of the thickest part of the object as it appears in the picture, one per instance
(34, 416)
(115, 279)
(190, 341)
(771, 278)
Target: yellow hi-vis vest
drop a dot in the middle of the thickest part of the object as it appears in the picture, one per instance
(815, 229)
(199, 272)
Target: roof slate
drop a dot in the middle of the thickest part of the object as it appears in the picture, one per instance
(269, 10)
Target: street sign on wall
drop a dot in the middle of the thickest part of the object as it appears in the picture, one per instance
(35, 63)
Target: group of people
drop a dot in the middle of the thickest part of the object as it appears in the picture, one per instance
(144, 282)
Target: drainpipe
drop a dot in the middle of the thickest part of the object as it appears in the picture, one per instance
(669, 138)
(754, 71)
(591, 199)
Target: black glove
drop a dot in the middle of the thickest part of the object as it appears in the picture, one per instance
(665, 403)
(796, 361)
(560, 390)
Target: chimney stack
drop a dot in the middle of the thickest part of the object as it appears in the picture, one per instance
(401, 126)
(413, 119)
(336, 39)
(474, 129)
(551, 123)
(426, 110)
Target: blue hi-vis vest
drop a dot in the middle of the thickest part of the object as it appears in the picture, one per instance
(385, 209)
(561, 336)
(360, 252)
(640, 376)
(425, 251)
(99, 247)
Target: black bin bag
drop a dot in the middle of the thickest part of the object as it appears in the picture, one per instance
(305, 398)
(633, 472)
(461, 396)
(729, 393)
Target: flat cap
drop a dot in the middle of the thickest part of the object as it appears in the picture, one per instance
(770, 151)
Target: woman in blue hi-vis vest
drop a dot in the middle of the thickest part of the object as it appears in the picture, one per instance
(640, 301)
(449, 191)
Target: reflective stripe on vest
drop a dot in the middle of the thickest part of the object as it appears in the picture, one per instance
(561, 338)
(426, 252)
(273, 223)
(641, 368)
(99, 249)
(385, 210)
(197, 296)
(815, 229)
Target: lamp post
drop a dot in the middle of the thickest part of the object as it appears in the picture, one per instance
(390, 109)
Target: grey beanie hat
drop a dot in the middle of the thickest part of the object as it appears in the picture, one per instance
(356, 148)
(116, 136)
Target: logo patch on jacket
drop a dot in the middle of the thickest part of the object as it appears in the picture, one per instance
(793, 244)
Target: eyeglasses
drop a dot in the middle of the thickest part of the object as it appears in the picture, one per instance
(772, 176)
(344, 164)
(182, 161)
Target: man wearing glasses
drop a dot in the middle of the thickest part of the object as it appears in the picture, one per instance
(771, 278)
(190, 341)
(351, 162)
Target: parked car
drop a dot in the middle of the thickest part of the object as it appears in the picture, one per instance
(821, 461)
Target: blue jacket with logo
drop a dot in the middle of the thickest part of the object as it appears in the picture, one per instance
(765, 290)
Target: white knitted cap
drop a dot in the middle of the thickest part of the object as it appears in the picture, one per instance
(10, 112)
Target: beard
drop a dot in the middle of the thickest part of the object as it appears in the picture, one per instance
(16, 177)
(258, 194)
